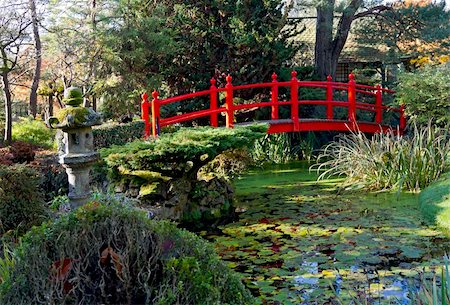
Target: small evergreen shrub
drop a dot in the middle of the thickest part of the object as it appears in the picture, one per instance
(110, 134)
(34, 132)
(21, 204)
(111, 254)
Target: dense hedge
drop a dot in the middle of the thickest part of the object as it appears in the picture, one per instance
(109, 134)
(435, 203)
(111, 254)
(21, 203)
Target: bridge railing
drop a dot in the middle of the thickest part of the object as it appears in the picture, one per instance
(153, 109)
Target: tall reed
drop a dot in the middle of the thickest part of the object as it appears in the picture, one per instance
(386, 160)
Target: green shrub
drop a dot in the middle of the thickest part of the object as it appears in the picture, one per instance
(33, 131)
(435, 203)
(110, 134)
(426, 94)
(53, 181)
(111, 254)
(181, 152)
(21, 204)
(388, 161)
(166, 170)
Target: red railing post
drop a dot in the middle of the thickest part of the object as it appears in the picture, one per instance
(378, 105)
(274, 96)
(294, 101)
(144, 114)
(229, 102)
(402, 124)
(155, 114)
(329, 98)
(351, 98)
(213, 103)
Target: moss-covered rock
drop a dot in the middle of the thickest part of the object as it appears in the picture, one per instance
(111, 254)
(79, 114)
(435, 203)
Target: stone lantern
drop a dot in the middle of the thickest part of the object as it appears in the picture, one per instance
(76, 145)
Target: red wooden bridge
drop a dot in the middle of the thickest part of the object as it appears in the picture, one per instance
(359, 97)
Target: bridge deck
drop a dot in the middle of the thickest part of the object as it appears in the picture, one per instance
(287, 125)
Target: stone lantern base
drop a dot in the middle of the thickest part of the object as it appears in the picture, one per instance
(78, 167)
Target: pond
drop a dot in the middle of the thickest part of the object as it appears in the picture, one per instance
(302, 241)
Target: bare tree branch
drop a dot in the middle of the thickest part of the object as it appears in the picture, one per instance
(376, 10)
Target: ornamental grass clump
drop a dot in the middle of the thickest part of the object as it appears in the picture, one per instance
(387, 161)
(112, 254)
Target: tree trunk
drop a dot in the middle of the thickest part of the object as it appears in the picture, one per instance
(50, 105)
(327, 48)
(324, 39)
(8, 108)
(38, 52)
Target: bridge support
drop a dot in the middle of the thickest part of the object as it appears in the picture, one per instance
(274, 97)
(294, 100)
(329, 98)
(145, 115)
(351, 98)
(213, 103)
(229, 103)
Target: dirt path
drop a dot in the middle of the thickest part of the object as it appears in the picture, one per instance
(297, 238)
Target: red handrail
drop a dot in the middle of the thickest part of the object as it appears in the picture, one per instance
(297, 123)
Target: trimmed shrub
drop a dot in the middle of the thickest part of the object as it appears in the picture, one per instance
(164, 172)
(34, 132)
(387, 161)
(21, 204)
(110, 134)
(111, 254)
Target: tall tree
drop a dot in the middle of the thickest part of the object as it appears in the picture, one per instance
(330, 41)
(38, 58)
(14, 23)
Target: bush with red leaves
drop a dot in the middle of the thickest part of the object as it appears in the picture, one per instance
(22, 152)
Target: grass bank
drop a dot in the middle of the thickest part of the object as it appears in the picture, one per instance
(435, 203)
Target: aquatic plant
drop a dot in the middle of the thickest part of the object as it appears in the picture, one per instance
(435, 291)
(430, 293)
(286, 147)
(387, 160)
